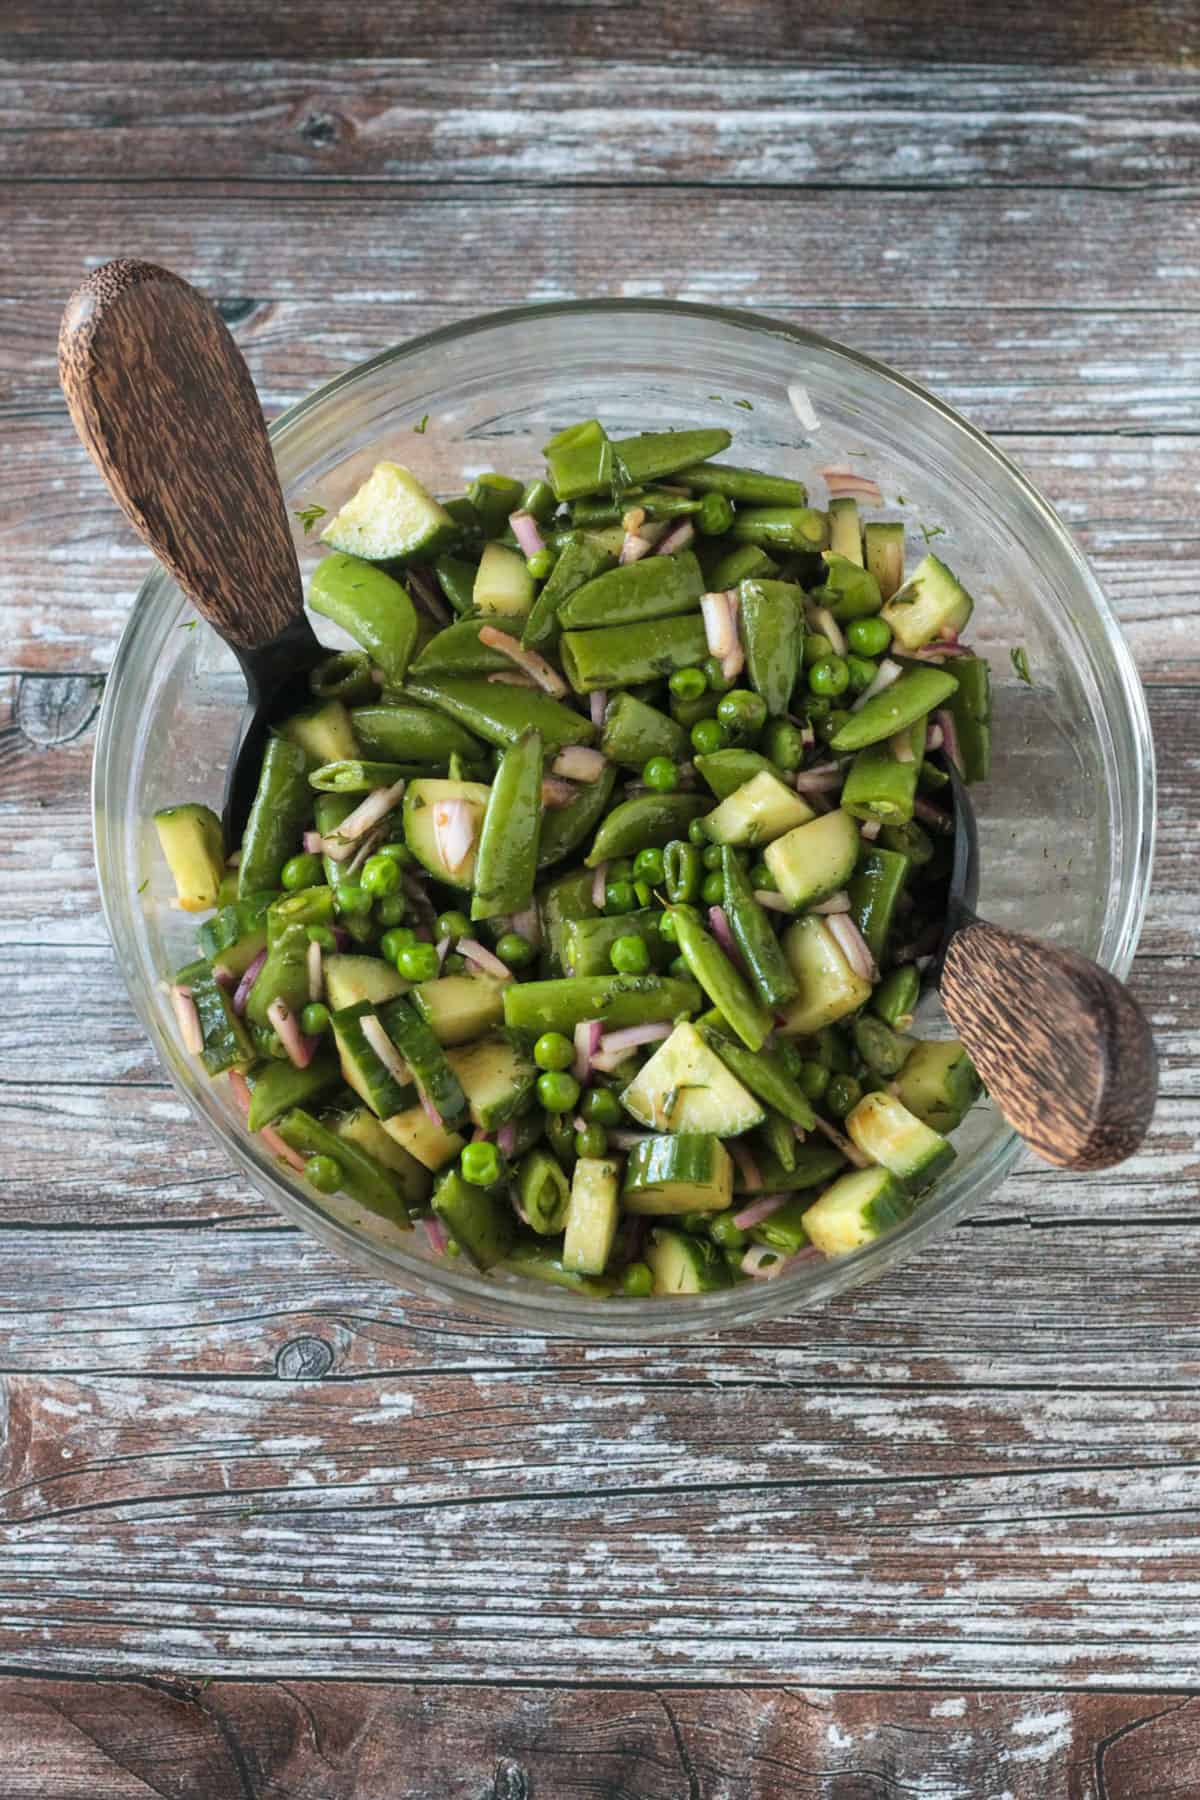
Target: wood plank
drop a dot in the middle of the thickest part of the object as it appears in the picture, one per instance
(552, 122)
(733, 31)
(119, 1740)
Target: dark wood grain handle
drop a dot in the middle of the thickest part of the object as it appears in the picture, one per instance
(1063, 1047)
(163, 401)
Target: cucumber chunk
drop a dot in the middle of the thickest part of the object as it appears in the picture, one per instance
(829, 987)
(686, 1087)
(681, 1264)
(391, 518)
(691, 1172)
(364, 1131)
(498, 1077)
(885, 1130)
(503, 583)
(426, 821)
(351, 979)
(194, 846)
(932, 603)
(859, 1207)
(479, 1220)
(938, 1084)
(460, 1008)
(815, 859)
(593, 1212)
(432, 1145)
(324, 733)
(757, 812)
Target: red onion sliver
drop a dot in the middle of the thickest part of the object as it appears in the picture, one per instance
(945, 719)
(747, 1167)
(577, 763)
(188, 1020)
(824, 622)
(527, 660)
(479, 954)
(836, 903)
(367, 847)
(629, 1140)
(503, 678)
(340, 843)
(803, 407)
(239, 1087)
(719, 925)
(314, 843)
(341, 937)
(853, 945)
(385, 1050)
(443, 950)
(758, 1210)
(820, 780)
(300, 1049)
(929, 814)
(525, 530)
(900, 745)
(588, 1033)
(847, 482)
(677, 538)
(719, 629)
(599, 878)
(634, 548)
(248, 980)
(934, 738)
(774, 902)
(316, 972)
(850, 1151)
(556, 793)
(225, 978)
(529, 924)
(437, 1235)
(870, 829)
(506, 1138)
(597, 701)
(455, 823)
(275, 1143)
(619, 1043)
(764, 1264)
(431, 1112)
(422, 585)
(887, 672)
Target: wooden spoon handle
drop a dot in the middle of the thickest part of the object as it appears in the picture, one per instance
(163, 401)
(1063, 1047)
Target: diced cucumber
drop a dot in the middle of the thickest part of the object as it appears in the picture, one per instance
(459, 1008)
(764, 1072)
(759, 811)
(480, 1220)
(829, 987)
(498, 1077)
(681, 1264)
(503, 583)
(845, 532)
(324, 733)
(424, 802)
(227, 1043)
(194, 846)
(364, 1130)
(543, 1192)
(351, 979)
(884, 543)
(691, 1172)
(233, 962)
(885, 1130)
(857, 1208)
(437, 1084)
(938, 1084)
(432, 1145)
(391, 518)
(931, 603)
(593, 1212)
(815, 859)
(686, 1087)
(362, 1068)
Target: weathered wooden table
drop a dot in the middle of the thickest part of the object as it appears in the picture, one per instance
(273, 1529)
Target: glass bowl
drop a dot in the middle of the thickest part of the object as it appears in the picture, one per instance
(1066, 821)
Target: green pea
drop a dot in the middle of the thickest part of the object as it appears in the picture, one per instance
(862, 672)
(816, 648)
(453, 925)
(868, 637)
(454, 964)
(591, 1141)
(842, 1093)
(666, 928)
(759, 876)
(302, 871)
(661, 774)
(813, 1078)
(600, 1106)
(381, 876)
(723, 1232)
(619, 897)
(830, 676)
(453, 1247)
(540, 564)
(514, 950)
(648, 866)
(391, 910)
(637, 1281)
(480, 1164)
(681, 968)
(350, 897)
(393, 942)
(553, 1051)
(711, 857)
(715, 516)
(688, 684)
(557, 1091)
(629, 956)
(742, 711)
(399, 853)
(712, 890)
(417, 962)
(784, 745)
(314, 1019)
(714, 674)
(708, 735)
(323, 1173)
(321, 934)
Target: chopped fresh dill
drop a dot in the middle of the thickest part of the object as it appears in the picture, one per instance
(424, 422)
(929, 532)
(189, 625)
(308, 515)
(144, 885)
(1020, 662)
(746, 405)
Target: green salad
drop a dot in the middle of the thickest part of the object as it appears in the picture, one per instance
(580, 920)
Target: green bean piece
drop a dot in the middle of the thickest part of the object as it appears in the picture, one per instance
(633, 732)
(916, 693)
(620, 1000)
(626, 655)
(345, 675)
(361, 777)
(654, 454)
(500, 714)
(565, 827)
(656, 503)
(654, 588)
(281, 809)
(579, 460)
(284, 975)
(506, 860)
(647, 822)
(456, 579)
(884, 1051)
(405, 733)
(895, 999)
(712, 969)
(559, 904)
(307, 906)
(971, 709)
(754, 936)
(537, 499)
(683, 874)
(362, 1178)
(587, 943)
(579, 563)
(456, 650)
(880, 787)
(780, 1139)
(543, 1193)
(748, 487)
(494, 497)
(764, 1072)
(741, 562)
(278, 1086)
(371, 606)
(875, 887)
(468, 529)
(781, 527)
(772, 618)
(849, 591)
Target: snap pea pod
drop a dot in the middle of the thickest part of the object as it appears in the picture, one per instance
(916, 693)
(654, 588)
(772, 628)
(748, 487)
(764, 1073)
(880, 787)
(725, 770)
(579, 460)
(309, 906)
(849, 591)
(500, 714)
(653, 454)
(362, 777)
(405, 733)
(815, 1165)
(543, 1192)
(752, 932)
(362, 1178)
(738, 563)
(538, 1261)
(578, 563)
(875, 887)
(565, 828)
(373, 608)
(784, 1230)
(971, 709)
(587, 943)
(627, 655)
(559, 903)
(282, 807)
(656, 503)
(781, 527)
(712, 969)
(468, 528)
(895, 999)
(238, 919)
(456, 579)
(456, 650)
(634, 732)
(884, 1051)
(620, 1000)
(284, 976)
(494, 497)
(345, 676)
(436, 1081)
(277, 1087)
(506, 860)
(645, 823)
(537, 499)
(780, 1139)
(910, 840)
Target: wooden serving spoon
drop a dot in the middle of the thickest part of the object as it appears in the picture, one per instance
(165, 405)
(1062, 1046)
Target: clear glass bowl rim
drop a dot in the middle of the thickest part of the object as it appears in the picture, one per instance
(535, 1307)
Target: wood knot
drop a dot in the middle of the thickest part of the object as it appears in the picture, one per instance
(510, 1781)
(53, 709)
(236, 308)
(321, 130)
(304, 1359)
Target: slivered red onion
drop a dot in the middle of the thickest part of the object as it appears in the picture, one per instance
(758, 1210)
(949, 729)
(479, 1135)
(314, 843)
(824, 622)
(634, 548)
(527, 660)
(819, 780)
(720, 628)
(423, 586)
(341, 937)
(803, 407)
(503, 678)
(597, 702)
(599, 877)
(933, 738)
(628, 1140)
(430, 1110)
(454, 826)
(938, 651)
(385, 1050)
(525, 530)
(733, 664)
(724, 936)
(848, 484)
(870, 829)
(248, 980)
(506, 1138)
(836, 903)
(747, 1167)
(853, 945)
(932, 815)
(275, 1143)
(188, 1020)
(887, 672)
(556, 794)
(619, 1043)
(774, 902)
(850, 1151)
(479, 954)
(367, 847)
(588, 1033)
(316, 972)
(340, 843)
(677, 538)
(437, 1235)
(239, 1087)
(300, 1049)
(900, 745)
(224, 978)
(529, 924)
(443, 950)
(577, 763)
